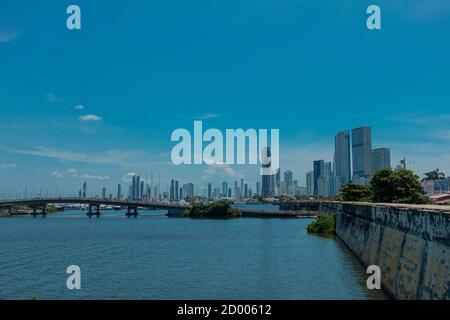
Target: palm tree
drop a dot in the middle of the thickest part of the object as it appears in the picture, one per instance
(434, 175)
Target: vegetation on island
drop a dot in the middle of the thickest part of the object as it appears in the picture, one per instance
(51, 208)
(324, 224)
(215, 209)
(387, 186)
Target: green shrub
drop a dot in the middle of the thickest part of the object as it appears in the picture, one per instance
(324, 224)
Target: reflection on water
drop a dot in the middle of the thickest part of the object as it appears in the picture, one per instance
(154, 257)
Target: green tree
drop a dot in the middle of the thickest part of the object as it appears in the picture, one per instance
(434, 175)
(354, 192)
(399, 186)
(324, 224)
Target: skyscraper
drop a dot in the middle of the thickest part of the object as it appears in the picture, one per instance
(224, 188)
(137, 187)
(310, 183)
(342, 161)
(190, 190)
(84, 190)
(258, 187)
(133, 187)
(318, 169)
(277, 184)
(381, 158)
(104, 193)
(156, 195)
(267, 179)
(324, 181)
(177, 190)
(241, 195)
(209, 191)
(288, 182)
(172, 190)
(119, 192)
(362, 152)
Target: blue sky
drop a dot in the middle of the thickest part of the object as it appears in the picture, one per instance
(145, 68)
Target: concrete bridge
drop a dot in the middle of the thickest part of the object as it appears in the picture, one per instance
(39, 205)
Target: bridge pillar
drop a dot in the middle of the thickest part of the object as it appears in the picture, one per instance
(98, 213)
(134, 213)
(89, 213)
(44, 210)
(34, 212)
(10, 210)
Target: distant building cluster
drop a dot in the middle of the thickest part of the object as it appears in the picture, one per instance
(354, 161)
(436, 187)
(139, 190)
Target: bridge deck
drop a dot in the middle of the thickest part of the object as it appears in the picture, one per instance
(174, 207)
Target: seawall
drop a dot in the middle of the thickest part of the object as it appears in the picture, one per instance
(410, 244)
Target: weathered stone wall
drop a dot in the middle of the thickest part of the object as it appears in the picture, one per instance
(410, 244)
(300, 205)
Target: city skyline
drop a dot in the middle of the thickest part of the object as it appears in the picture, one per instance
(325, 180)
(326, 177)
(71, 115)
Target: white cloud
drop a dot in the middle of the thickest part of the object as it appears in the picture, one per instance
(127, 178)
(221, 170)
(51, 97)
(7, 35)
(79, 107)
(121, 157)
(94, 177)
(90, 118)
(73, 172)
(206, 116)
(57, 174)
(8, 165)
